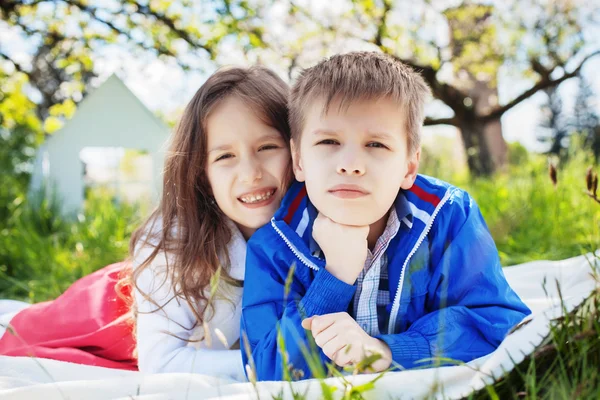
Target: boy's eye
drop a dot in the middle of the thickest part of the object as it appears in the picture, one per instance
(224, 157)
(377, 145)
(328, 141)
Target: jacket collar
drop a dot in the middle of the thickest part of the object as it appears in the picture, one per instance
(418, 206)
(298, 212)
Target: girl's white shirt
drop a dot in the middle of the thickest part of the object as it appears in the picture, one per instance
(159, 350)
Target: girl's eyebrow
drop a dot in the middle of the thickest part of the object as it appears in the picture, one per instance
(224, 147)
(271, 136)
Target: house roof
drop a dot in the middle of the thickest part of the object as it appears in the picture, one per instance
(111, 115)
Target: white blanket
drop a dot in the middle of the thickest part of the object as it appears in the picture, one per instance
(26, 378)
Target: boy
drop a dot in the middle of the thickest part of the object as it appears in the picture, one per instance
(385, 261)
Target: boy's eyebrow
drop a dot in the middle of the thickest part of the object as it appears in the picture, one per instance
(380, 135)
(374, 135)
(324, 132)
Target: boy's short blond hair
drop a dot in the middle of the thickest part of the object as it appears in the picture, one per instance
(365, 75)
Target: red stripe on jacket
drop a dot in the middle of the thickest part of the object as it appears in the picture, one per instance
(425, 196)
(295, 204)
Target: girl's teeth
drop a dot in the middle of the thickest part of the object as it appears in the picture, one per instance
(254, 198)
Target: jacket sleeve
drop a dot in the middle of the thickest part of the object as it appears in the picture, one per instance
(272, 312)
(470, 306)
(162, 334)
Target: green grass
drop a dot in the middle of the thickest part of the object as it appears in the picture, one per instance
(530, 219)
(565, 366)
(44, 252)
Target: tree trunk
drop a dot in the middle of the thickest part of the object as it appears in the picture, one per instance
(484, 145)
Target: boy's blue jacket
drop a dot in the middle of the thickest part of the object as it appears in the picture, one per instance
(448, 295)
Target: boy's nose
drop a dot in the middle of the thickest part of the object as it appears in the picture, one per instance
(351, 165)
(355, 171)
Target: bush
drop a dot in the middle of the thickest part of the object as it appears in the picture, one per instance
(44, 252)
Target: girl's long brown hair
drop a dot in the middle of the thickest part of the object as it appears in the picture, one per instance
(188, 225)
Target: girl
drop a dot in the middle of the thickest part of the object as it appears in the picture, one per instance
(226, 172)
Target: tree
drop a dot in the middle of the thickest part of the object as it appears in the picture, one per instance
(554, 126)
(585, 121)
(65, 35)
(17, 144)
(64, 39)
(459, 50)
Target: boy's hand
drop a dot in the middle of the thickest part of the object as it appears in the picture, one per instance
(345, 342)
(344, 246)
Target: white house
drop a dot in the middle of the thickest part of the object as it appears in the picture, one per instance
(109, 117)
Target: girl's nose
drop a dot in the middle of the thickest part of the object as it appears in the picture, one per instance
(250, 170)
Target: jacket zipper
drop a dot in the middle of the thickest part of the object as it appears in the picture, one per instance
(396, 303)
(298, 255)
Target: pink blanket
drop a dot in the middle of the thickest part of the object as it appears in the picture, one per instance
(88, 324)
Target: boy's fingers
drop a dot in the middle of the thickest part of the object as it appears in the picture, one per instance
(318, 323)
(345, 356)
(322, 322)
(325, 336)
(307, 323)
(333, 348)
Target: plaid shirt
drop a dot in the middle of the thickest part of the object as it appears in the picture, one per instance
(372, 303)
(372, 295)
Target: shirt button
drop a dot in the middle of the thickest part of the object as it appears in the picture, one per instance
(364, 327)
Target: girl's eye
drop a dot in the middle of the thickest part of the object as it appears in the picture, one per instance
(377, 145)
(268, 147)
(328, 142)
(224, 157)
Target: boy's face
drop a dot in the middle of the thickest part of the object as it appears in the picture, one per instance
(354, 161)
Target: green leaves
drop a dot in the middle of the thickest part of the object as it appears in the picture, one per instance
(63, 40)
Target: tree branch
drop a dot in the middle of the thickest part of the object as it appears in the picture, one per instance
(158, 47)
(427, 71)
(179, 32)
(148, 12)
(92, 11)
(450, 95)
(377, 40)
(441, 121)
(543, 83)
(18, 67)
(35, 3)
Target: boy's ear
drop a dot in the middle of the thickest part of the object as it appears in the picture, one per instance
(296, 162)
(413, 170)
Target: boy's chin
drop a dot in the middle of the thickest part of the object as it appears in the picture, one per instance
(351, 218)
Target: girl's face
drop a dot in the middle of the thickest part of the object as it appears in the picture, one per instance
(247, 165)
